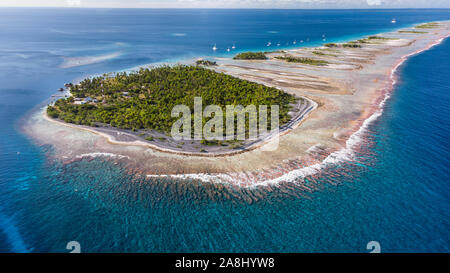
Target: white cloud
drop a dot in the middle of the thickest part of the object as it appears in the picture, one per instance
(374, 2)
(73, 3)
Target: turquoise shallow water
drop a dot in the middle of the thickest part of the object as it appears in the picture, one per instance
(396, 193)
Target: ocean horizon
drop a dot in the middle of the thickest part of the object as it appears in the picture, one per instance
(395, 193)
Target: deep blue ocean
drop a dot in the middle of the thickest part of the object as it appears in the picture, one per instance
(397, 193)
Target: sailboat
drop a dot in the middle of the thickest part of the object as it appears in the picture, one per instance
(234, 46)
(269, 44)
(214, 47)
(228, 49)
(394, 21)
(294, 42)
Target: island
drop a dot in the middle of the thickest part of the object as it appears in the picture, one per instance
(328, 96)
(140, 103)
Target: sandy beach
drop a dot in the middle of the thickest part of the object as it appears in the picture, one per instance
(347, 94)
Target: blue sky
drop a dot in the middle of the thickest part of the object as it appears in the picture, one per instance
(231, 3)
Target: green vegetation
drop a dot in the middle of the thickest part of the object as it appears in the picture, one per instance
(251, 56)
(357, 43)
(427, 25)
(351, 45)
(412, 31)
(368, 40)
(380, 38)
(291, 59)
(275, 51)
(145, 99)
(205, 63)
(331, 45)
(319, 53)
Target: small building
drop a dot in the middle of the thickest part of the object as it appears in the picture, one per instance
(125, 93)
(89, 99)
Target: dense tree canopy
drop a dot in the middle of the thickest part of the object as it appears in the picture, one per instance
(206, 62)
(144, 99)
(251, 56)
